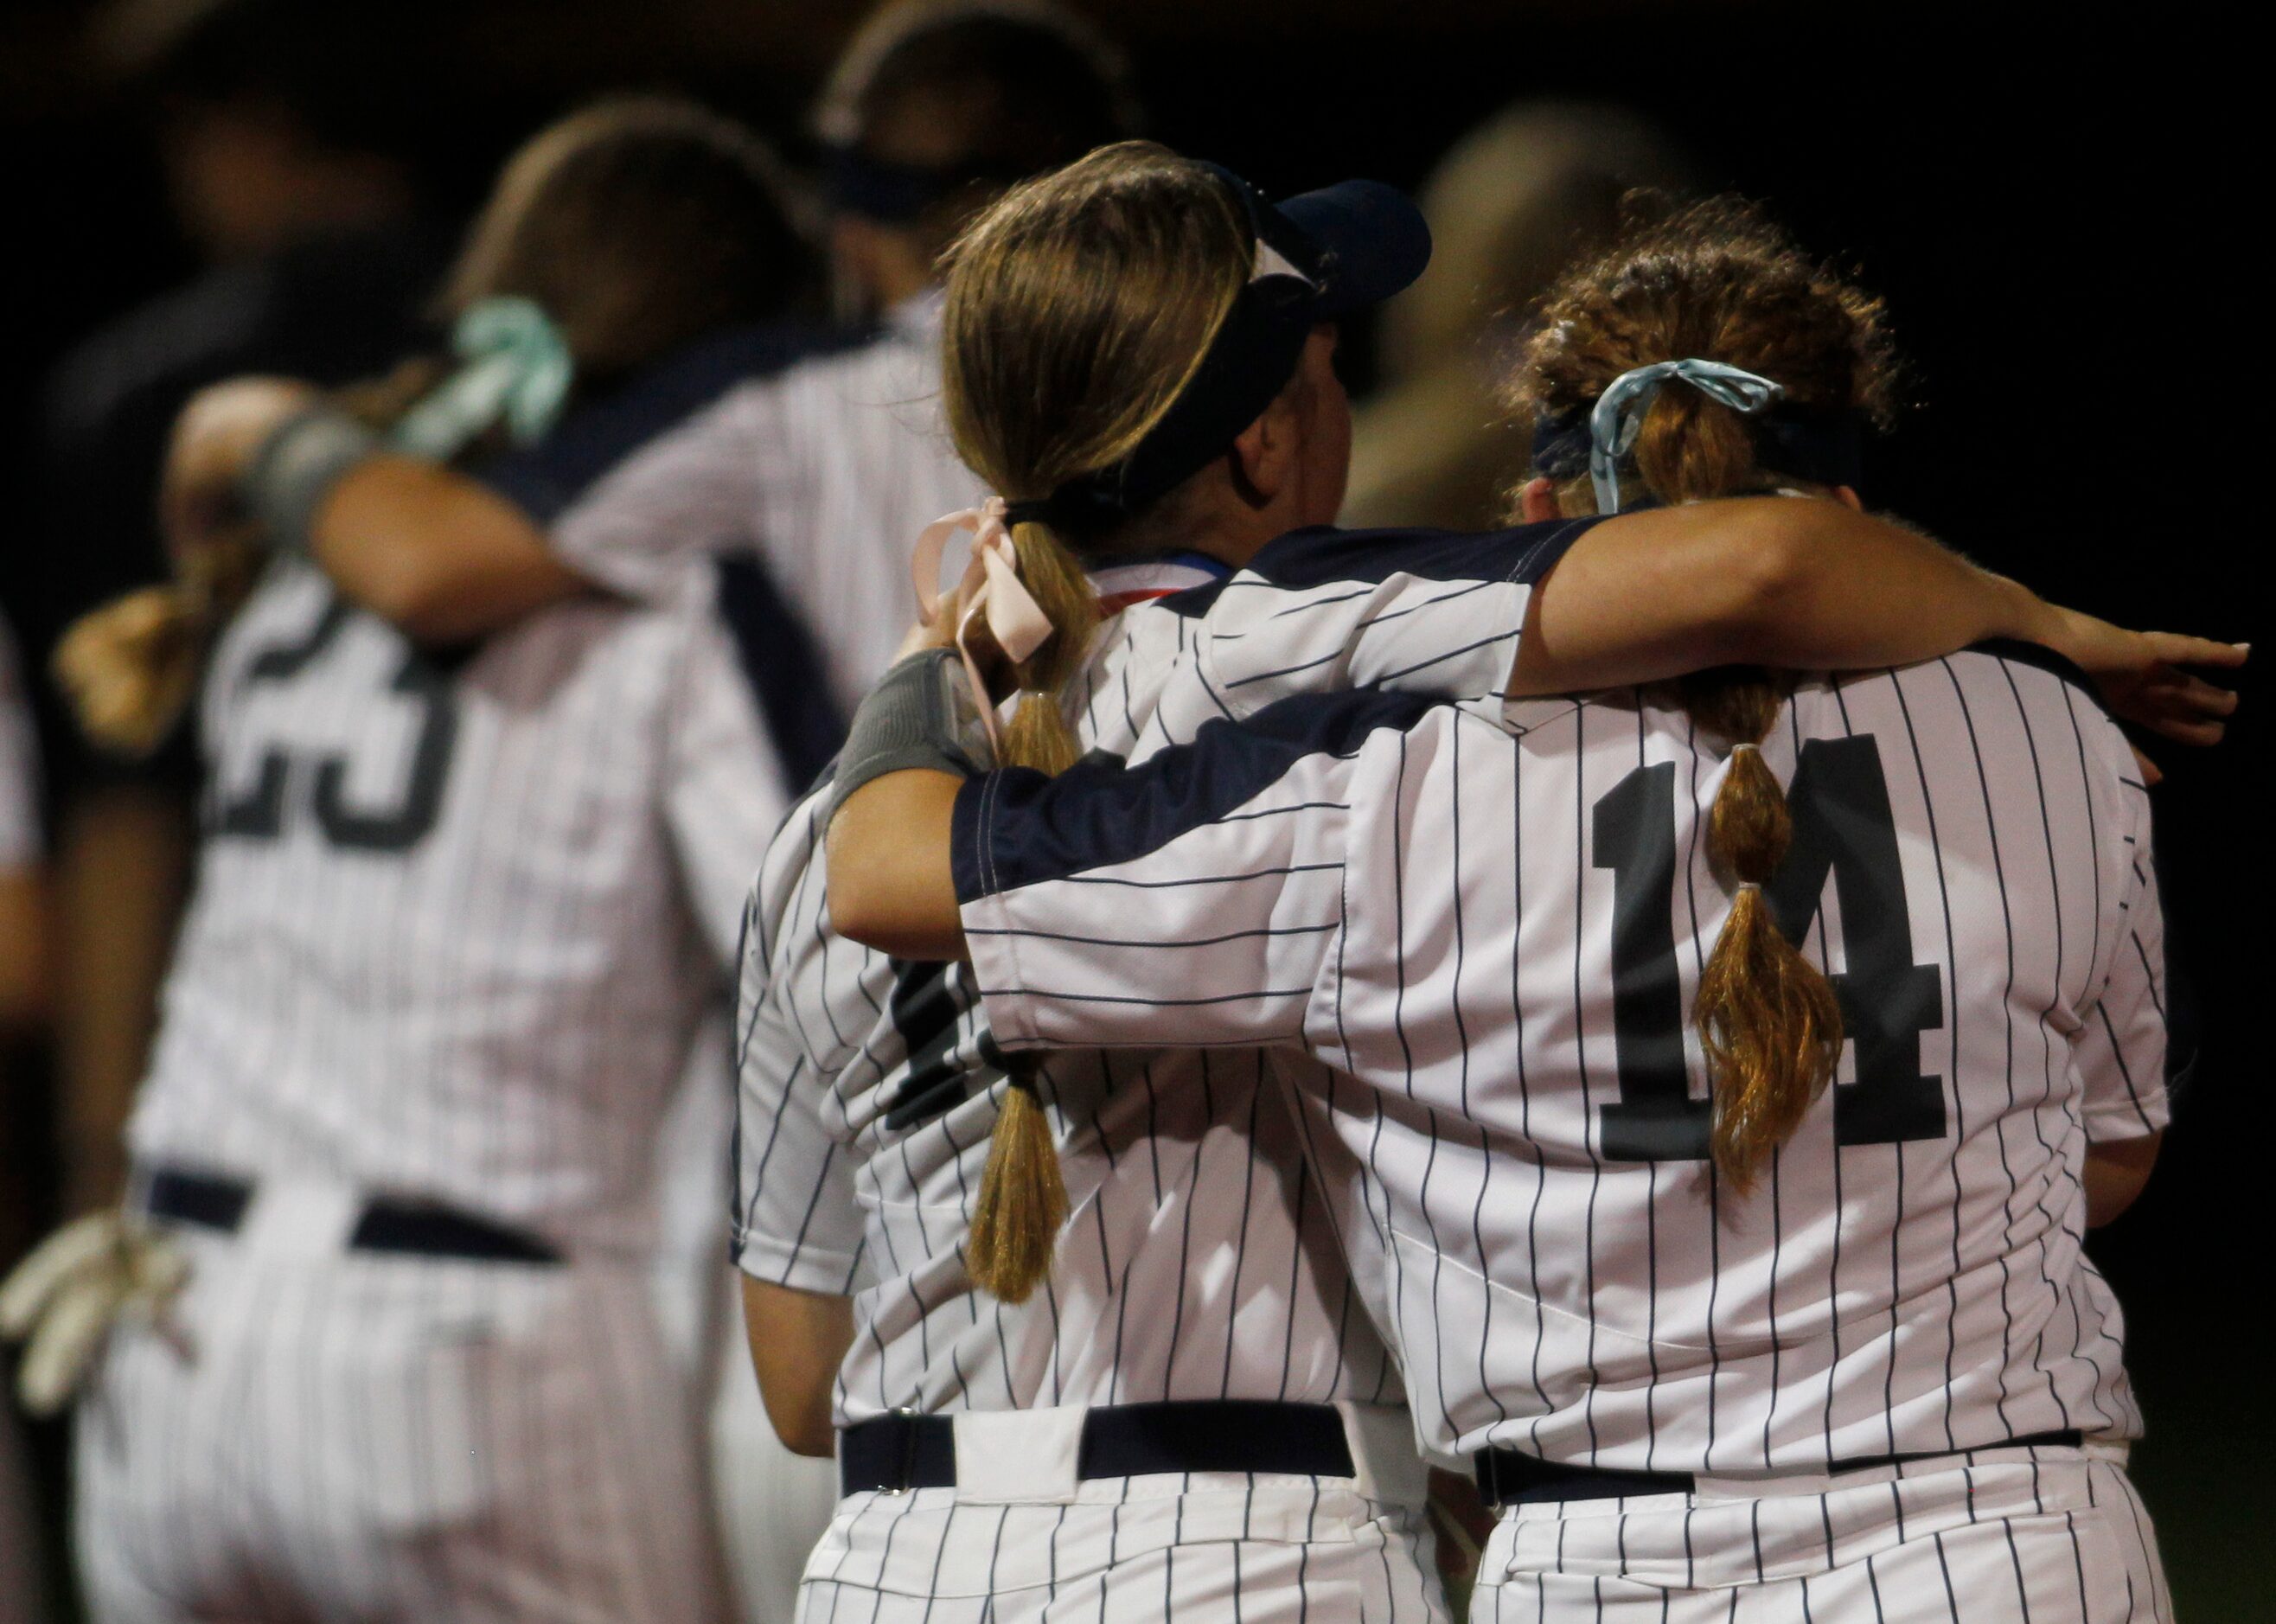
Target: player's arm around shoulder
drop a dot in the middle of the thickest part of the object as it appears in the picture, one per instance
(1817, 584)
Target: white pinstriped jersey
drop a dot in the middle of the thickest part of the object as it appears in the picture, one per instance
(1199, 1260)
(454, 927)
(1498, 921)
(20, 766)
(825, 470)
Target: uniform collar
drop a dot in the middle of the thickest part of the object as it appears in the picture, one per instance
(1140, 580)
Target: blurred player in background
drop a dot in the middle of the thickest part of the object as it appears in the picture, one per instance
(1818, 1341)
(23, 1011)
(1511, 205)
(810, 483)
(293, 143)
(462, 908)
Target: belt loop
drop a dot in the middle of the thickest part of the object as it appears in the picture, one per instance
(905, 1430)
(1387, 1464)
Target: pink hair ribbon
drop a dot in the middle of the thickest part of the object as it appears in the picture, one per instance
(991, 589)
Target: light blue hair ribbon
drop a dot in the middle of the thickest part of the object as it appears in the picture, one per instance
(514, 368)
(1619, 411)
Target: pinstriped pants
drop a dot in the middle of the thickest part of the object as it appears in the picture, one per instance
(1210, 1546)
(2041, 1536)
(394, 1439)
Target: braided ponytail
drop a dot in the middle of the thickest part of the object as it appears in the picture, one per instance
(1716, 280)
(1023, 1199)
(1077, 308)
(1767, 1019)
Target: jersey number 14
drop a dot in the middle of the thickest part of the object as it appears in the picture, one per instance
(1843, 827)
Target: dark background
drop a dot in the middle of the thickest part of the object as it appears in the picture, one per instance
(2061, 216)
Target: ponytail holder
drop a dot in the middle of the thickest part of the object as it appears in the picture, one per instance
(991, 587)
(514, 368)
(1618, 417)
(1747, 744)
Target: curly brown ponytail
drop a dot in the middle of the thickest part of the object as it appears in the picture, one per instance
(1078, 307)
(1717, 281)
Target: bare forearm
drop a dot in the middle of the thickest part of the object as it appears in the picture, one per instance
(891, 887)
(24, 981)
(121, 875)
(798, 1339)
(436, 553)
(2116, 1174)
(1808, 585)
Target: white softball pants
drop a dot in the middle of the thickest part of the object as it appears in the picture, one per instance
(2047, 1535)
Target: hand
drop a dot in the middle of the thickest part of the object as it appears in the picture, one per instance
(2142, 678)
(214, 440)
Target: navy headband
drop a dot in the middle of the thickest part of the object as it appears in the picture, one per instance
(1824, 447)
(1248, 364)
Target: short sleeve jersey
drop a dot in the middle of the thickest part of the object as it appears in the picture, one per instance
(458, 916)
(821, 473)
(1490, 923)
(1200, 1259)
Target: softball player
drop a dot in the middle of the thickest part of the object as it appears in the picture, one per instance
(871, 1089)
(458, 919)
(1768, 1349)
(22, 976)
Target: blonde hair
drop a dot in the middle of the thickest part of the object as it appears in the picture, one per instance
(1078, 308)
(1718, 281)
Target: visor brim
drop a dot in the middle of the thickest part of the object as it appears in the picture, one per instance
(1375, 240)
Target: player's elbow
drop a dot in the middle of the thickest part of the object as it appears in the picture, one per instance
(2116, 1174)
(805, 1429)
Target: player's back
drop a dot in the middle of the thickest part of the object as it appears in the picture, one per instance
(1200, 1259)
(1968, 864)
(1493, 922)
(445, 940)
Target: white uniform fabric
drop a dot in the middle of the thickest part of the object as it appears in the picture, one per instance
(20, 765)
(1200, 1259)
(1498, 920)
(2043, 1535)
(454, 932)
(355, 1436)
(1444, 918)
(826, 471)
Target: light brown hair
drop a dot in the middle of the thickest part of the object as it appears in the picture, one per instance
(1718, 281)
(1077, 310)
(639, 225)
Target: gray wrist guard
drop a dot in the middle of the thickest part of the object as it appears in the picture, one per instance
(296, 468)
(917, 716)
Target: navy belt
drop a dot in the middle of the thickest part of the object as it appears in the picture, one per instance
(895, 1454)
(1511, 1477)
(209, 1201)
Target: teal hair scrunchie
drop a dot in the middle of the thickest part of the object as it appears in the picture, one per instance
(1618, 417)
(514, 368)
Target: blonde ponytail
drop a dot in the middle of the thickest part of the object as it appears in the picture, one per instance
(129, 668)
(1767, 1018)
(1054, 369)
(1023, 1199)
